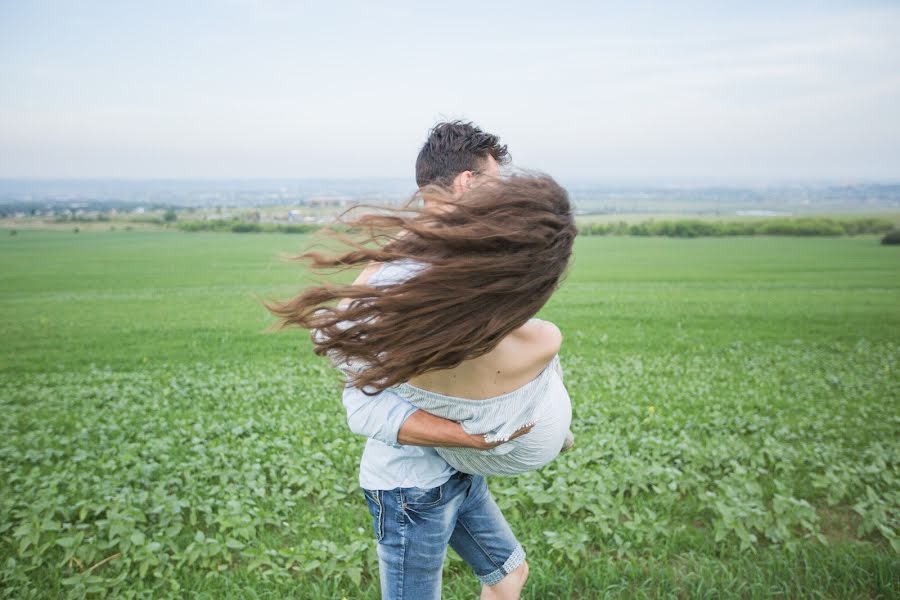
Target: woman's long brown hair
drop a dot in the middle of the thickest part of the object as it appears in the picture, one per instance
(494, 256)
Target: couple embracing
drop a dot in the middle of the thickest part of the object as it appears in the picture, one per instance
(449, 375)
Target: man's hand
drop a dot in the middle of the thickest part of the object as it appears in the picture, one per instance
(480, 444)
(424, 429)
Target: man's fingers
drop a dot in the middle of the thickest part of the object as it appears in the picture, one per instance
(522, 431)
(519, 432)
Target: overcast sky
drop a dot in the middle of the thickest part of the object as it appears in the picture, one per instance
(346, 89)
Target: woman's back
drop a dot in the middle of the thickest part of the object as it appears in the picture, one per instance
(516, 360)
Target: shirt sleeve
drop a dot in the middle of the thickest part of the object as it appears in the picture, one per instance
(379, 417)
(557, 365)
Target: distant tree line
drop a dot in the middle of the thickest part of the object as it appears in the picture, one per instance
(806, 226)
(80, 218)
(235, 225)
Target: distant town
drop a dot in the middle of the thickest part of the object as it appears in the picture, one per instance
(314, 201)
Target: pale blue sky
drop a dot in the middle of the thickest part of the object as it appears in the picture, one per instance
(246, 88)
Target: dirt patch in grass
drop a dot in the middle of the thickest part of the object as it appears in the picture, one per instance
(839, 523)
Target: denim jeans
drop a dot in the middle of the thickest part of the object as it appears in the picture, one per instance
(413, 527)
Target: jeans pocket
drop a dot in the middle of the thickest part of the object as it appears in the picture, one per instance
(374, 500)
(422, 497)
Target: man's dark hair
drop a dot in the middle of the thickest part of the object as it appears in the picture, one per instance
(453, 147)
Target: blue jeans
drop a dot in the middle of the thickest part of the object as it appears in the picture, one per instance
(413, 527)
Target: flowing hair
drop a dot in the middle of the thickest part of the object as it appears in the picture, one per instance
(494, 256)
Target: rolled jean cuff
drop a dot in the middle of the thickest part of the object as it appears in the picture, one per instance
(515, 559)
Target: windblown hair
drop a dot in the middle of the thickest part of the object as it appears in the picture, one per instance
(453, 147)
(493, 257)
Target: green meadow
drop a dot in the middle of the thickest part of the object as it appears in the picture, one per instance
(736, 417)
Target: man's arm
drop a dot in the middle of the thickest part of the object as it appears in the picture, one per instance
(391, 419)
(379, 416)
(425, 429)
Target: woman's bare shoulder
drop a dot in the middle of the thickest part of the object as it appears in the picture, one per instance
(538, 340)
(541, 333)
(370, 270)
(362, 279)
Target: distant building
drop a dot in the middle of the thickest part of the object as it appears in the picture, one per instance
(326, 201)
(761, 213)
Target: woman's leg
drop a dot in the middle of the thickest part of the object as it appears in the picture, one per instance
(484, 539)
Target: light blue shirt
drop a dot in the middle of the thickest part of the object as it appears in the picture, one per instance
(385, 464)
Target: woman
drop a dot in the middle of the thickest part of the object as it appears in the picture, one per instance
(448, 320)
(482, 394)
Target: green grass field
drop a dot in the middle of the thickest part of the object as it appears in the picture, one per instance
(736, 413)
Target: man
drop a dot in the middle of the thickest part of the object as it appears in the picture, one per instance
(418, 502)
